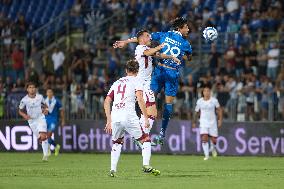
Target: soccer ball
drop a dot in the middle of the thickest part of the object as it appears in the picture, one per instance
(210, 33)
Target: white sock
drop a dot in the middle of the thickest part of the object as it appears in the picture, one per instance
(146, 153)
(44, 145)
(205, 147)
(212, 146)
(115, 154)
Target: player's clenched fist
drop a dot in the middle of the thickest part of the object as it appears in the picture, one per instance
(119, 44)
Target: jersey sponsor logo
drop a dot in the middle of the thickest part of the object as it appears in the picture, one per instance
(174, 42)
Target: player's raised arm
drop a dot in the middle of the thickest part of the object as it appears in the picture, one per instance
(123, 43)
(153, 51)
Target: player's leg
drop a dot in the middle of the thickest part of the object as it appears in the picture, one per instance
(50, 130)
(135, 131)
(149, 98)
(157, 80)
(44, 144)
(167, 113)
(115, 155)
(204, 140)
(171, 88)
(213, 133)
(39, 129)
(117, 140)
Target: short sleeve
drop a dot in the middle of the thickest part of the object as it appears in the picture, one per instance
(111, 92)
(197, 107)
(216, 103)
(139, 85)
(22, 104)
(156, 36)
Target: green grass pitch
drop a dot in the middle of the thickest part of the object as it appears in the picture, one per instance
(25, 170)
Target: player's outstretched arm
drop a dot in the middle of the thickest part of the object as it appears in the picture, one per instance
(142, 106)
(108, 114)
(219, 116)
(153, 51)
(123, 43)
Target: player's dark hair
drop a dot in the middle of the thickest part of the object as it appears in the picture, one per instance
(207, 85)
(29, 83)
(49, 88)
(178, 23)
(141, 32)
(204, 86)
(132, 66)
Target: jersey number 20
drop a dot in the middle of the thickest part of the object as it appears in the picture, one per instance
(175, 51)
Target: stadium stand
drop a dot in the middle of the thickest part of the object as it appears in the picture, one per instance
(245, 64)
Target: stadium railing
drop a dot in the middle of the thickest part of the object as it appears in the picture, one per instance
(88, 105)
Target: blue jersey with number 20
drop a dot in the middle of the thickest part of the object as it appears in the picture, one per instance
(175, 45)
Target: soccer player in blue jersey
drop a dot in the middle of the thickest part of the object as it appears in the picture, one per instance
(166, 73)
(52, 118)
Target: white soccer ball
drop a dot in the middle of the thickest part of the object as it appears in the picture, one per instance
(210, 34)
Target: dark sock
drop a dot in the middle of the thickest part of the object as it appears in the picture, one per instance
(51, 142)
(168, 110)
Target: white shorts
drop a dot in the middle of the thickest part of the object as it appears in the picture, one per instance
(211, 131)
(131, 126)
(148, 94)
(38, 125)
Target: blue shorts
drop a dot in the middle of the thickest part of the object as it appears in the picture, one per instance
(51, 126)
(167, 78)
